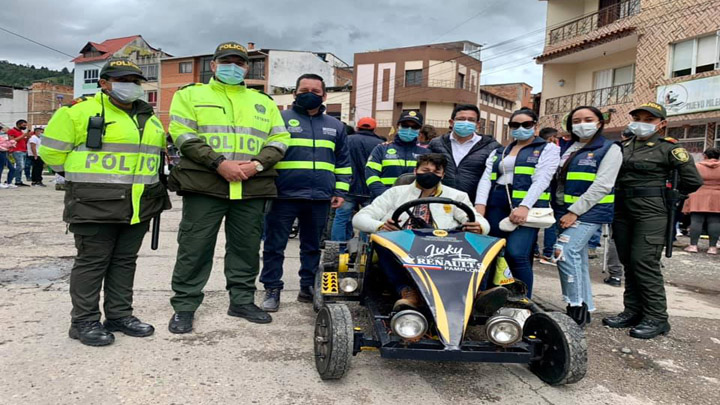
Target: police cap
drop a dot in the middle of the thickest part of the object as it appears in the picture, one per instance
(117, 67)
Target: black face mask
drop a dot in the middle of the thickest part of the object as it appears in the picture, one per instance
(308, 101)
(427, 180)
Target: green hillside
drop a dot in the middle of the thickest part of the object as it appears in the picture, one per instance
(22, 75)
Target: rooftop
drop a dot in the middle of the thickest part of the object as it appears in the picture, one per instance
(106, 48)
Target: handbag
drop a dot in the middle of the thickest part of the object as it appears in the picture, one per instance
(540, 218)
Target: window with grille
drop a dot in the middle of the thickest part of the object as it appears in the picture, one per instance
(185, 67)
(91, 76)
(413, 77)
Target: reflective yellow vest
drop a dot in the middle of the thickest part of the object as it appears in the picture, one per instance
(129, 155)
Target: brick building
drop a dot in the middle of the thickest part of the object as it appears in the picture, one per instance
(44, 99)
(521, 93)
(615, 54)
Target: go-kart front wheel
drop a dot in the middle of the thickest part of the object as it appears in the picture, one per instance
(564, 351)
(333, 341)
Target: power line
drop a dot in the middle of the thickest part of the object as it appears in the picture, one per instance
(464, 22)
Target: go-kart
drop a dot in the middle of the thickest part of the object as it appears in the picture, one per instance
(456, 321)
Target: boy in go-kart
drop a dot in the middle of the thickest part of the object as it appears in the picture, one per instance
(376, 217)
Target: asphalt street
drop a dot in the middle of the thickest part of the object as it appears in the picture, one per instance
(228, 360)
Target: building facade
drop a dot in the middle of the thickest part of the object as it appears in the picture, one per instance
(13, 105)
(615, 54)
(495, 114)
(44, 99)
(94, 55)
(521, 93)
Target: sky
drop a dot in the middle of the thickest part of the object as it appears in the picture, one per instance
(343, 27)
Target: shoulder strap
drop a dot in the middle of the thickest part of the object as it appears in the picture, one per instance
(507, 186)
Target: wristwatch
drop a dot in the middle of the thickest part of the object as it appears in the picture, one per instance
(216, 163)
(258, 166)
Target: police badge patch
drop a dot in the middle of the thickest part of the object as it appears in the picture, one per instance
(681, 154)
(260, 108)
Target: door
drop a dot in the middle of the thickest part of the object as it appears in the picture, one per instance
(609, 12)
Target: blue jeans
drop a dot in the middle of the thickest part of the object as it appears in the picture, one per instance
(342, 229)
(594, 241)
(571, 255)
(4, 161)
(549, 238)
(520, 242)
(312, 217)
(20, 158)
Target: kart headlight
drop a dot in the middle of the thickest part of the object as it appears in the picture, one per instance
(503, 330)
(348, 284)
(409, 324)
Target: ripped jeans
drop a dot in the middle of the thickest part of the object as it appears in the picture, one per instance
(571, 256)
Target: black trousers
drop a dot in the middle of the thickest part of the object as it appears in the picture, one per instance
(37, 168)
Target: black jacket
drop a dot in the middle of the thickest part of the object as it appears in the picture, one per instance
(464, 175)
(360, 145)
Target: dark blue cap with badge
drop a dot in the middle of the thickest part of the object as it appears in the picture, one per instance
(118, 67)
(413, 116)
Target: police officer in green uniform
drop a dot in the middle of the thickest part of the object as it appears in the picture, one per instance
(641, 216)
(108, 148)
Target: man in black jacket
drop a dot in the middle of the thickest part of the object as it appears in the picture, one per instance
(360, 145)
(465, 150)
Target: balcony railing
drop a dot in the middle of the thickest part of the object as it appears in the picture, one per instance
(597, 98)
(592, 22)
(443, 84)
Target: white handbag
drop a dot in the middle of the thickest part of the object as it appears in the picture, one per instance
(540, 218)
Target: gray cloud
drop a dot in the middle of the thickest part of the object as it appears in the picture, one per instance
(183, 27)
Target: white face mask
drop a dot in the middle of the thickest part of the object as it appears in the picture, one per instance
(126, 93)
(642, 129)
(585, 130)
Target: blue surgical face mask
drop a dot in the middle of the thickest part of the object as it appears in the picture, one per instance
(463, 128)
(230, 73)
(408, 134)
(522, 134)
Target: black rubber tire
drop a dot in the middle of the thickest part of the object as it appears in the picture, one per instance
(318, 298)
(564, 359)
(333, 341)
(331, 257)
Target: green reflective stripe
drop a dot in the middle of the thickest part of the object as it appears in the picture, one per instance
(341, 185)
(524, 170)
(343, 170)
(581, 176)
(190, 123)
(309, 143)
(137, 192)
(516, 194)
(374, 165)
(388, 181)
(608, 199)
(322, 143)
(493, 176)
(236, 190)
(180, 139)
(57, 168)
(111, 178)
(372, 179)
(277, 145)
(399, 162)
(55, 144)
(305, 165)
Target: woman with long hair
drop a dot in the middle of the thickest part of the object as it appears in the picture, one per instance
(704, 204)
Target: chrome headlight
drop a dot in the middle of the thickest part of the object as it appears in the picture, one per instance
(348, 284)
(503, 330)
(409, 324)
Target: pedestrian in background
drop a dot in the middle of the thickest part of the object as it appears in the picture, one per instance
(704, 204)
(35, 159)
(20, 135)
(427, 134)
(5, 145)
(550, 135)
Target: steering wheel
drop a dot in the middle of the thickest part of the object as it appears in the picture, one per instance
(408, 206)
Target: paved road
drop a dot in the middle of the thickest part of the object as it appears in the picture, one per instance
(229, 360)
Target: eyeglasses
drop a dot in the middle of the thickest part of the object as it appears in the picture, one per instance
(465, 119)
(526, 124)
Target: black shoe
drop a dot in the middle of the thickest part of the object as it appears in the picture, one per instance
(40, 184)
(251, 312)
(91, 333)
(579, 314)
(490, 300)
(625, 319)
(21, 184)
(306, 294)
(181, 322)
(592, 253)
(649, 328)
(613, 281)
(130, 326)
(272, 300)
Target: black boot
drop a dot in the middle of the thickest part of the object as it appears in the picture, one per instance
(130, 326)
(306, 294)
(613, 281)
(625, 319)
(91, 333)
(181, 322)
(650, 328)
(251, 312)
(579, 314)
(272, 300)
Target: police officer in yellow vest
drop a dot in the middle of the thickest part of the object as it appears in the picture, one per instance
(230, 138)
(108, 147)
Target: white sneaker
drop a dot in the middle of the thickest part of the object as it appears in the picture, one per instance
(3, 185)
(10, 185)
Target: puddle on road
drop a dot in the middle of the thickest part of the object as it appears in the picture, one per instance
(45, 272)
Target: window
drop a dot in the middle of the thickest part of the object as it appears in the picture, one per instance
(256, 69)
(695, 55)
(481, 125)
(185, 67)
(461, 81)
(691, 137)
(205, 73)
(491, 128)
(151, 97)
(150, 71)
(505, 131)
(413, 77)
(91, 76)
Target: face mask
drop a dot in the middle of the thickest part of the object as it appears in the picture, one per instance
(126, 93)
(642, 129)
(408, 134)
(230, 73)
(308, 101)
(522, 134)
(464, 128)
(585, 130)
(427, 180)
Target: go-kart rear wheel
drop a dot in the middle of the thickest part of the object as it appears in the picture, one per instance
(318, 299)
(564, 351)
(333, 341)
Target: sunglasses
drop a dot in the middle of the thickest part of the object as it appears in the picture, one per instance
(526, 124)
(409, 125)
